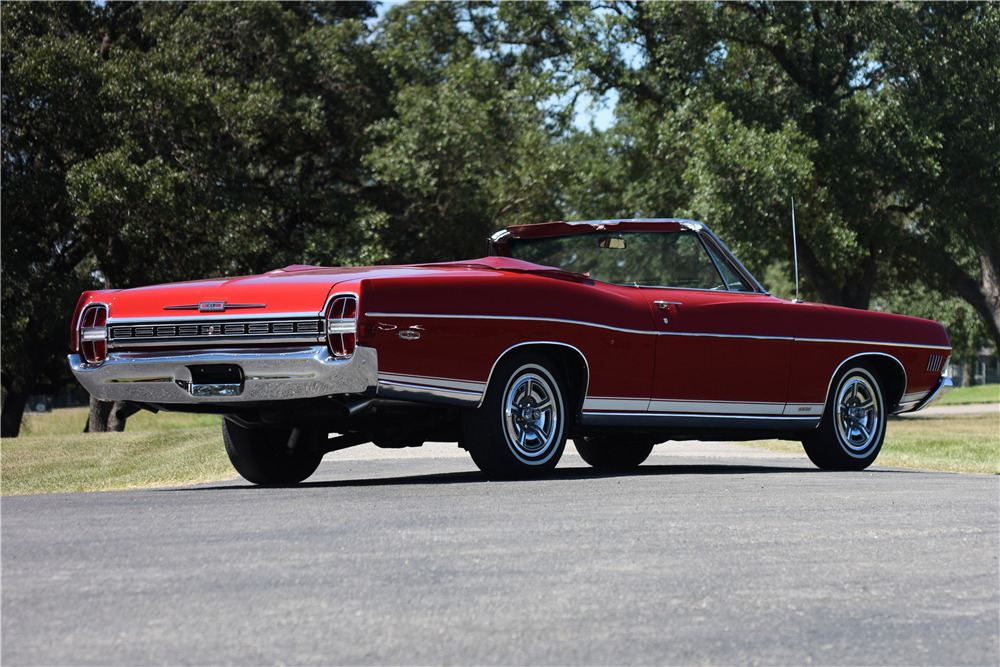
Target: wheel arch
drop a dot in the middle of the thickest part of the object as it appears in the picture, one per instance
(891, 375)
(568, 360)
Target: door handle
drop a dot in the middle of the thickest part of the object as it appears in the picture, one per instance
(665, 305)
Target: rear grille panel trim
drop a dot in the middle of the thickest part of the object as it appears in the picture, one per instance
(124, 335)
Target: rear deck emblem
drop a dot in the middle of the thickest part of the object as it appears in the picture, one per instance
(212, 306)
(215, 306)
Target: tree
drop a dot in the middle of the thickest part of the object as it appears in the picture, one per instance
(880, 120)
(51, 121)
(469, 147)
(152, 142)
(942, 103)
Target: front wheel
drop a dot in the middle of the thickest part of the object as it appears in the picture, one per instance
(520, 429)
(261, 455)
(613, 453)
(850, 435)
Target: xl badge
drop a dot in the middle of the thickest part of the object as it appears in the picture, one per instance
(212, 306)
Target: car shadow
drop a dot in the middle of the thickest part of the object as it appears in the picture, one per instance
(560, 474)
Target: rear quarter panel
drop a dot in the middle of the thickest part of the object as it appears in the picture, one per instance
(463, 324)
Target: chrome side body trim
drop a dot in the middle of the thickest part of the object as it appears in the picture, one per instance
(442, 390)
(649, 332)
(708, 421)
(829, 385)
(612, 404)
(715, 407)
(533, 343)
(870, 342)
(269, 375)
(509, 318)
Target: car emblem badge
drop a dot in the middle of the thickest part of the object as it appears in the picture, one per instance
(409, 334)
(212, 306)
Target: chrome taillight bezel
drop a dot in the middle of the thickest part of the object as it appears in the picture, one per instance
(93, 333)
(341, 319)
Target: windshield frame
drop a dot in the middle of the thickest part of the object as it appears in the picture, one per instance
(500, 244)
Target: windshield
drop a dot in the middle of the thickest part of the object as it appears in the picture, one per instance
(651, 259)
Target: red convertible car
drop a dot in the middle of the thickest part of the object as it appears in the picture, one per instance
(619, 334)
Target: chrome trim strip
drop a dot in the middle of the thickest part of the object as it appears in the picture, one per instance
(514, 318)
(463, 386)
(209, 332)
(269, 374)
(944, 385)
(78, 325)
(738, 265)
(902, 368)
(701, 421)
(341, 326)
(699, 415)
(721, 335)
(212, 342)
(615, 404)
(803, 409)
(212, 317)
(90, 334)
(715, 407)
(872, 342)
(511, 318)
(427, 393)
(215, 306)
(586, 364)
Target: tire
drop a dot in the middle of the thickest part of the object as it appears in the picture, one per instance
(850, 435)
(261, 455)
(519, 431)
(613, 453)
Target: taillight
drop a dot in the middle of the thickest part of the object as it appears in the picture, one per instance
(342, 325)
(94, 334)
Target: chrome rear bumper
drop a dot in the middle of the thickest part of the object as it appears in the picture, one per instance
(227, 376)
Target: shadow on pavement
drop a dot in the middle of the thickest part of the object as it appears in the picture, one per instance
(475, 477)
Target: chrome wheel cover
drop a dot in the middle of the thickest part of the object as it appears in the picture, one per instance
(531, 416)
(858, 415)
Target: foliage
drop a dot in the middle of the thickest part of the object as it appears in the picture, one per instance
(190, 140)
(468, 148)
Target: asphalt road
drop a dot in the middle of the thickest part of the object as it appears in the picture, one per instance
(713, 554)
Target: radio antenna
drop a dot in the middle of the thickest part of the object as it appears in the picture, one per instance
(795, 254)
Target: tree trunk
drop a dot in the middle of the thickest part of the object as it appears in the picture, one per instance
(12, 413)
(104, 417)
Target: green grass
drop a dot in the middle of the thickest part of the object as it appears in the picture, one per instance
(53, 455)
(168, 449)
(954, 443)
(984, 393)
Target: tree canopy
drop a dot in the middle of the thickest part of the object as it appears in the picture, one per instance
(145, 142)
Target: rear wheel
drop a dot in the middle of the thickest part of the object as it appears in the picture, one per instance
(852, 430)
(613, 453)
(520, 429)
(261, 454)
